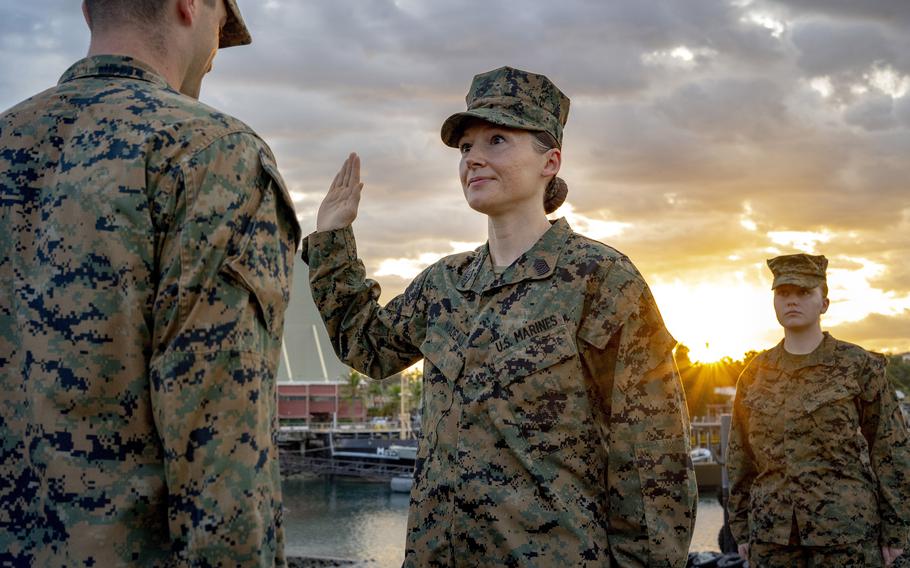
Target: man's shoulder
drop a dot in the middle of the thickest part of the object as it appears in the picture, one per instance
(188, 124)
(133, 110)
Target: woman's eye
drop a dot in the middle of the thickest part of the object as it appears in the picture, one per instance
(464, 148)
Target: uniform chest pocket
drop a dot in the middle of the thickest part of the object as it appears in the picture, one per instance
(766, 425)
(443, 352)
(535, 354)
(536, 397)
(833, 408)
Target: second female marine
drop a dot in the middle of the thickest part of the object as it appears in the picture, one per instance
(555, 430)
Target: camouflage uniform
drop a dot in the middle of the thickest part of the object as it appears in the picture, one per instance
(554, 424)
(146, 247)
(818, 456)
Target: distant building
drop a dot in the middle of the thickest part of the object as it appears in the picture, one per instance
(311, 379)
(713, 412)
(905, 357)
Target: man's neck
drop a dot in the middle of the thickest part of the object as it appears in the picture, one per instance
(124, 43)
(804, 340)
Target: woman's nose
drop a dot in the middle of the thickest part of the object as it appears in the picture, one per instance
(474, 158)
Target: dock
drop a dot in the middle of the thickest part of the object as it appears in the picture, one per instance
(307, 448)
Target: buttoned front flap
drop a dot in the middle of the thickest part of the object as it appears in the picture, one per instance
(767, 422)
(831, 408)
(827, 395)
(263, 260)
(537, 400)
(535, 352)
(440, 348)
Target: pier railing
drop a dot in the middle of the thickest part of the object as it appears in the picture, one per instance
(706, 433)
(292, 464)
(292, 433)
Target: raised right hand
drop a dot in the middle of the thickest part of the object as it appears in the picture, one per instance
(339, 206)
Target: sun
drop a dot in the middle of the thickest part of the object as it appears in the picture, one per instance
(724, 316)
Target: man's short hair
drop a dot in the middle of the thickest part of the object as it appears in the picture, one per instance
(141, 12)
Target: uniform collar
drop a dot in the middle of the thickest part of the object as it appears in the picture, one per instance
(824, 354)
(536, 263)
(113, 66)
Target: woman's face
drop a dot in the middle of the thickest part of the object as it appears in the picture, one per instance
(799, 308)
(501, 170)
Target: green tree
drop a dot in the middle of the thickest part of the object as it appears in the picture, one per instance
(354, 388)
(701, 379)
(898, 372)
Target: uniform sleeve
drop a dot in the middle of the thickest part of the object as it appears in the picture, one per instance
(377, 341)
(883, 426)
(741, 467)
(225, 275)
(650, 479)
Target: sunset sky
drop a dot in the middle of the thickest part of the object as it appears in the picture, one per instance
(704, 136)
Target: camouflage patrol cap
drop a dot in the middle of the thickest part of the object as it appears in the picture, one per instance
(803, 270)
(512, 98)
(234, 31)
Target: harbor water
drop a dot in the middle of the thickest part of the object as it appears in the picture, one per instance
(344, 518)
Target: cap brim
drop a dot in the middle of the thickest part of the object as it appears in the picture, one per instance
(234, 31)
(454, 125)
(807, 282)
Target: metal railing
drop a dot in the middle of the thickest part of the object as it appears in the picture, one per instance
(708, 435)
(292, 464)
(340, 427)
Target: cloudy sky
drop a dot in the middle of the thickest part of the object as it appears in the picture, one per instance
(704, 135)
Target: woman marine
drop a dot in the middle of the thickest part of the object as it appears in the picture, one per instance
(554, 426)
(818, 457)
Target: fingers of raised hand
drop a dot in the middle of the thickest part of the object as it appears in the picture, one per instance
(351, 169)
(337, 181)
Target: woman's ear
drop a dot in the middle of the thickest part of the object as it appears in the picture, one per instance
(554, 161)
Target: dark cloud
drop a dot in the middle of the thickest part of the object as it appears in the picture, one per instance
(828, 48)
(887, 331)
(902, 110)
(728, 110)
(893, 12)
(680, 146)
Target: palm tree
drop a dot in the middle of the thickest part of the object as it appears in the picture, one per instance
(353, 391)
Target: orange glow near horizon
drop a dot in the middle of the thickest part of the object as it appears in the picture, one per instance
(723, 317)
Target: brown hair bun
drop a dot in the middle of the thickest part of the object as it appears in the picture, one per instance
(555, 195)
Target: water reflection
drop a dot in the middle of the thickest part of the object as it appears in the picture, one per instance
(351, 519)
(345, 519)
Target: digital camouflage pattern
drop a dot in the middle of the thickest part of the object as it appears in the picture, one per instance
(555, 430)
(513, 98)
(819, 438)
(146, 248)
(854, 555)
(803, 270)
